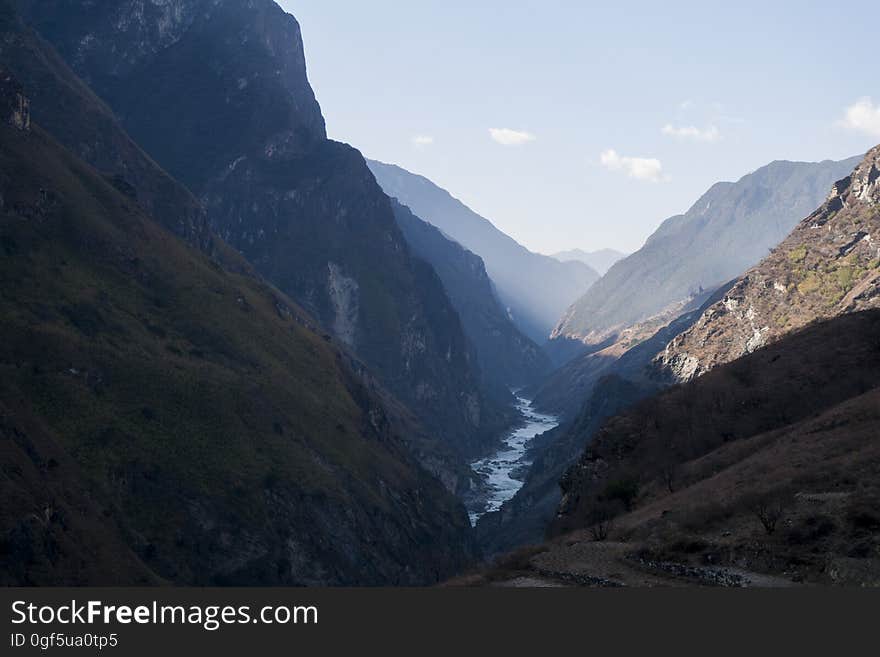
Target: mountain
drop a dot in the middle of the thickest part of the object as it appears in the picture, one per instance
(777, 423)
(535, 289)
(585, 392)
(729, 229)
(216, 92)
(827, 266)
(507, 358)
(686, 488)
(96, 136)
(600, 260)
(167, 420)
(787, 488)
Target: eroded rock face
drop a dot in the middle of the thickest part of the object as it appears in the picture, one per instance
(16, 106)
(344, 296)
(828, 266)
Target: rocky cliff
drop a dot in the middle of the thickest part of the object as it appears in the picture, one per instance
(829, 265)
(508, 359)
(216, 92)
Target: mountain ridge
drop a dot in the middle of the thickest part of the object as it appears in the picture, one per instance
(726, 231)
(827, 266)
(535, 288)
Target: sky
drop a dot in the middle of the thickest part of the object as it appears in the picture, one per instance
(574, 124)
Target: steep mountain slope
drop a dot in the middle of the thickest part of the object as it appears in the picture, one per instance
(729, 229)
(536, 289)
(164, 420)
(507, 358)
(769, 462)
(829, 265)
(586, 392)
(216, 92)
(600, 260)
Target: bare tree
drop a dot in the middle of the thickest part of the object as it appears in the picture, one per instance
(602, 519)
(668, 474)
(769, 512)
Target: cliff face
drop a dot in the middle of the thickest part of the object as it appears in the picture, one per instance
(729, 229)
(168, 421)
(216, 92)
(829, 265)
(507, 358)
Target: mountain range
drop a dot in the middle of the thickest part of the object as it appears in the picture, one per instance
(216, 93)
(761, 468)
(729, 229)
(600, 260)
(646, 357)
(166, 419)
(535, 289)
(235, 352)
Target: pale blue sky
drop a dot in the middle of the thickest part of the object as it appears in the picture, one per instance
(734, 84)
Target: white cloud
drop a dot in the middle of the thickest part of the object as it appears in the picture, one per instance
(508, 137)
(863, 116)
(420, 141)
(709, 134)
(640, 168)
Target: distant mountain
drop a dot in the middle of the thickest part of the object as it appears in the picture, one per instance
(729, 229)
(216, 92)
(508, 359)
(535, 289)
(166, 419)
(600, 260)
(829, 265)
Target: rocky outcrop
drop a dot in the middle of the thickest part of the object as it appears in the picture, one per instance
(15, 105)
(829, 265)
(216, 92)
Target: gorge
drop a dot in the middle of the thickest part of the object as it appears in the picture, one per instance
(236, 352)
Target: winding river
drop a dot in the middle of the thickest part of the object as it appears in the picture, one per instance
(501, 469)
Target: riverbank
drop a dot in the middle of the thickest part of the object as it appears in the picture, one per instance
(504, 471)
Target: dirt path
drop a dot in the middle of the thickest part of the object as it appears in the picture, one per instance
(609, 564)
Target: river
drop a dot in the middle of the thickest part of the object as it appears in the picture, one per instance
(501, 469)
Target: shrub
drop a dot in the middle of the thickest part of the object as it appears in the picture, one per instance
(623, 490)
